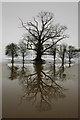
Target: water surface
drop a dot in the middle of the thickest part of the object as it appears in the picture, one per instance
(41, 91)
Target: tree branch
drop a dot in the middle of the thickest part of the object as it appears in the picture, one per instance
(29, 30)
(51, 80)
(53, 44)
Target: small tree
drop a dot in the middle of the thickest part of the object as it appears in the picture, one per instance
(22, 48)
(53, 51)
(71, 53)
(61, 52)
(12, 50)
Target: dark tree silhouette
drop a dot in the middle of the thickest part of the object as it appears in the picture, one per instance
(61, 52)
(39, 87)
(23, 50)
(42, 31)
(53, 51)
(12, 51)
(13, 74)
(71, 53)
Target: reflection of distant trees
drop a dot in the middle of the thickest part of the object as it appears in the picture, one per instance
(13, 73)
(60, 75)
(39, 87)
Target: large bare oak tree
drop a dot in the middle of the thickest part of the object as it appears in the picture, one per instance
(42, 34)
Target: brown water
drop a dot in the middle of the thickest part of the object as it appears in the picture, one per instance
(38, 91)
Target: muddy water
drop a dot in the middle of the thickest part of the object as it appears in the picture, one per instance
(38, 91)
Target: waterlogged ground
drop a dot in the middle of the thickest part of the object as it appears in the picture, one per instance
(38, 91)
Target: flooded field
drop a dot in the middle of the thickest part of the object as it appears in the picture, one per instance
(39, 91)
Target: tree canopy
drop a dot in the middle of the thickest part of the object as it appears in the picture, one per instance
(42, 31)
(11, 49)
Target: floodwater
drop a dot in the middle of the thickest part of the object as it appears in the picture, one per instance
(38, 91)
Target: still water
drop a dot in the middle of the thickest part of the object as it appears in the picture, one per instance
(38, 91)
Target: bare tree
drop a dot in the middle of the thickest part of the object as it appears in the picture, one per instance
(61, 52)
(23, 50)
(71, 53)
(42, 31)
(53, 51)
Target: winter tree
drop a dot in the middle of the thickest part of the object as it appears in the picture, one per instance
(42, 31)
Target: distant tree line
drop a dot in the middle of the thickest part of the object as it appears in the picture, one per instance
(62, 51)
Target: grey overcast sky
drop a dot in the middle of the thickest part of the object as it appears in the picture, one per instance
(65, 13)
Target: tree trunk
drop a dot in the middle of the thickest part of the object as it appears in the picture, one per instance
(54, 69)
(23, 59)
(38, 69)
(54, 61)
(54, 57)
(69, 58)
(63, 61)
(39, 53)
(38, 57)
(69, 61)
(12, 60)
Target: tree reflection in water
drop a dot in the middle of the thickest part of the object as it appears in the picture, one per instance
(13, 72)
(41, 86)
